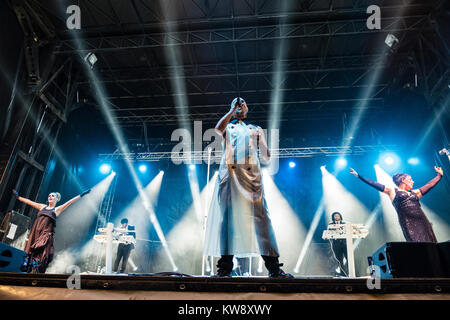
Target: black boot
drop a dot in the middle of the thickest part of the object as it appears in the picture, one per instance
(224, 266)
(273, 265)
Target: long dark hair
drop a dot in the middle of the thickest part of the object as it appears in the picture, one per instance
(340, 215)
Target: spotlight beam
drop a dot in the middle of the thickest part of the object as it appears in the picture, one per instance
(309, 235)
(187, 236)
(118, 136)
(177, 81)
(369, 92)
(195, 191)
(287, 226)
(134, 210)
(437, 119)
(391, 225)
(277, 93)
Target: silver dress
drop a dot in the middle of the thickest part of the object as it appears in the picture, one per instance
(238, 221)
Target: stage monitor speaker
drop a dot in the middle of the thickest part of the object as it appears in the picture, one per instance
(408, 260)
(11, 259)
(15, 227)
(444, 252)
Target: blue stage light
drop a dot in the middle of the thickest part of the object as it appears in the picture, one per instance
(143, 168)
(413, 161)
(389, 160)
(291, 164)
(341, 163)
(105, 168)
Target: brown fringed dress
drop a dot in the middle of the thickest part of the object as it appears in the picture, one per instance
(40, 242)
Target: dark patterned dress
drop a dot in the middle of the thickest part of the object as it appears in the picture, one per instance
(40, 242)
(414, 223)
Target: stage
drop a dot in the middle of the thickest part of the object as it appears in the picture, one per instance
(173, 286)
(197, 137)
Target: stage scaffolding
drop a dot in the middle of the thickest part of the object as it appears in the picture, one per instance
(216, 155)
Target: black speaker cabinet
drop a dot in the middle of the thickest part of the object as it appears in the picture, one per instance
(444, 252)
(15, 229)
(11, 259)
(409, 260)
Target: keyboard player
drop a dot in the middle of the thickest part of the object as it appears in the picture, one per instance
(124, 248)
(339, 247)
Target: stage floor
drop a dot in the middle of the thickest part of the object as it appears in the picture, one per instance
(183, 287)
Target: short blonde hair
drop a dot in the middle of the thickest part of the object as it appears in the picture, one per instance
(58, 195)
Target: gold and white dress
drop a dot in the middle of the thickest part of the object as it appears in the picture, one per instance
(238, 220)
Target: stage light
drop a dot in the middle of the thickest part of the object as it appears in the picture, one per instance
(413, 161)
(192, 167)
(105, 168)
(292, 164)
(389, 160)
(143, 168)
(91, 59)
(391, 40)
(341, 163)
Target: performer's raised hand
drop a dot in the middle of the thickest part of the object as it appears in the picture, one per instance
(234, 106)
(439, 170)
(353, 172)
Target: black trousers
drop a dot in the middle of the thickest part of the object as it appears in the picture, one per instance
(123, 253)
(339, 247)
